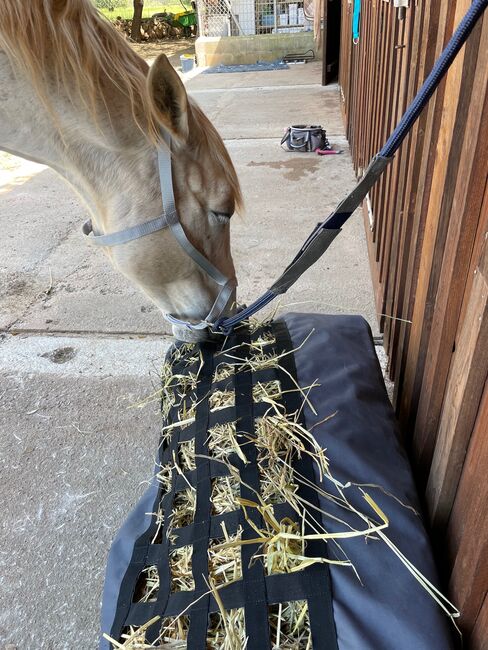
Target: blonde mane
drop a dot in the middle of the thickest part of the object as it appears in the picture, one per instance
(85, 53)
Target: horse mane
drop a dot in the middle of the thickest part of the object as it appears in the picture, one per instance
(85, 52)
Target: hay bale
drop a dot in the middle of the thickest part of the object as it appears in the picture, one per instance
(263, 516)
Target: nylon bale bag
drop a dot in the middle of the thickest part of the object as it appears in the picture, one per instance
(283, 512)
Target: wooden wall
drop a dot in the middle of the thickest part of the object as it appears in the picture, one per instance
(427, 227)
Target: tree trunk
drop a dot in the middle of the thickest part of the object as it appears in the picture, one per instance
(136, 20)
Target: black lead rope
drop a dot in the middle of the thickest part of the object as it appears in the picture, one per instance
(324, 233)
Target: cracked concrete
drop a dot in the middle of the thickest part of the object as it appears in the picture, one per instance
(80, 349)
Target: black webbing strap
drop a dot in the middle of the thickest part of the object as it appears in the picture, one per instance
(256, 591)
(161, 552)
(324, 636)
(140, 557)
(197, 635)
(255, 599)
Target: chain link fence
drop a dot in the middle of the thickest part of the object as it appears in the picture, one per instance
(249, 17)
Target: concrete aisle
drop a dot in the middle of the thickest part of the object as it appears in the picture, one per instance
(79, 347)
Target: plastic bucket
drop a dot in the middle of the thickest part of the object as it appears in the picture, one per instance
(187, 62)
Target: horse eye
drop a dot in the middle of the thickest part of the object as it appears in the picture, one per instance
(221, 217)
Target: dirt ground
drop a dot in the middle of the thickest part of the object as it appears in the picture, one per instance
(172, 48)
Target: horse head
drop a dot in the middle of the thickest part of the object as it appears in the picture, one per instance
(74, 96)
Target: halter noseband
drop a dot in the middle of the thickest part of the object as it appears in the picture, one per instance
(169, 219)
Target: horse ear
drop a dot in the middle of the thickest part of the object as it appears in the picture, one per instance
(169, 98)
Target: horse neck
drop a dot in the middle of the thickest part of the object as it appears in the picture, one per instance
(108, 162)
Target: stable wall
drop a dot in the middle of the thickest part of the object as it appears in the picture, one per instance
(427, 231)
(235, 50)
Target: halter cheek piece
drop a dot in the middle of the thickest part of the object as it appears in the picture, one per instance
(169, 219)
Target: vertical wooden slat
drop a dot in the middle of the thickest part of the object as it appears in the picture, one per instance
(467, 534)
(418, 185)
(477, 640)
(455, 238)
(467, 378)
(394, 295)
(429, 199)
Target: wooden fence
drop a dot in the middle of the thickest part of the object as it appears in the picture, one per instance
(427, 225)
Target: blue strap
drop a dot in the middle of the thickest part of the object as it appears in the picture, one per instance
(355, 21)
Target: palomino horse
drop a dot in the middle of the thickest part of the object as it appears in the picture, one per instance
(74, 96)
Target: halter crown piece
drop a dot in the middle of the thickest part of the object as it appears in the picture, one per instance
(169, 219)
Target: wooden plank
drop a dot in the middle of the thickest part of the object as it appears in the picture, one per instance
(397, 181)
(325, 30)
(478, 245)
(467, 534)
(395, 298)
(391, 174)
(387, 91)
(458, 218)
(377, 286)
(477, 640)
(418, 187)
(468, 374)
(380, 116)
(429, 197)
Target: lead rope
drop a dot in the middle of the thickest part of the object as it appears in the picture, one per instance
(324, 233)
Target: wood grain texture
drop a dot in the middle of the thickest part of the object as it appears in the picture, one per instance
(427, 250)
(467, 533)
(477, 639)
(468, 374)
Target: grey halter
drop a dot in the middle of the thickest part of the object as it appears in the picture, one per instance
(169, 219)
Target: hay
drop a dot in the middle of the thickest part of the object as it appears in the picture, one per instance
(280, 440)
(148, 586)
(164, 476)
(227, 630)
(283, 554)
(223, 371)
(174, 632)
(180, 562)
(265, 338)
(290, 626)
(224, 564)
(225, 494)
(222, 442)
(278, 483)
(267, 392)
(184, 506)
(221, 399)
(186, 456)
(159, 520)
(186, 415)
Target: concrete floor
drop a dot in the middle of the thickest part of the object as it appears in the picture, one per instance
(79, 348)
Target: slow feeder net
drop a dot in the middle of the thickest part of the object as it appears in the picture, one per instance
(237, 555)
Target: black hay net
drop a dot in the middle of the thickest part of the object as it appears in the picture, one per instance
(198, 574)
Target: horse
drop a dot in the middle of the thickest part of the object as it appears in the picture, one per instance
(74, 96)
